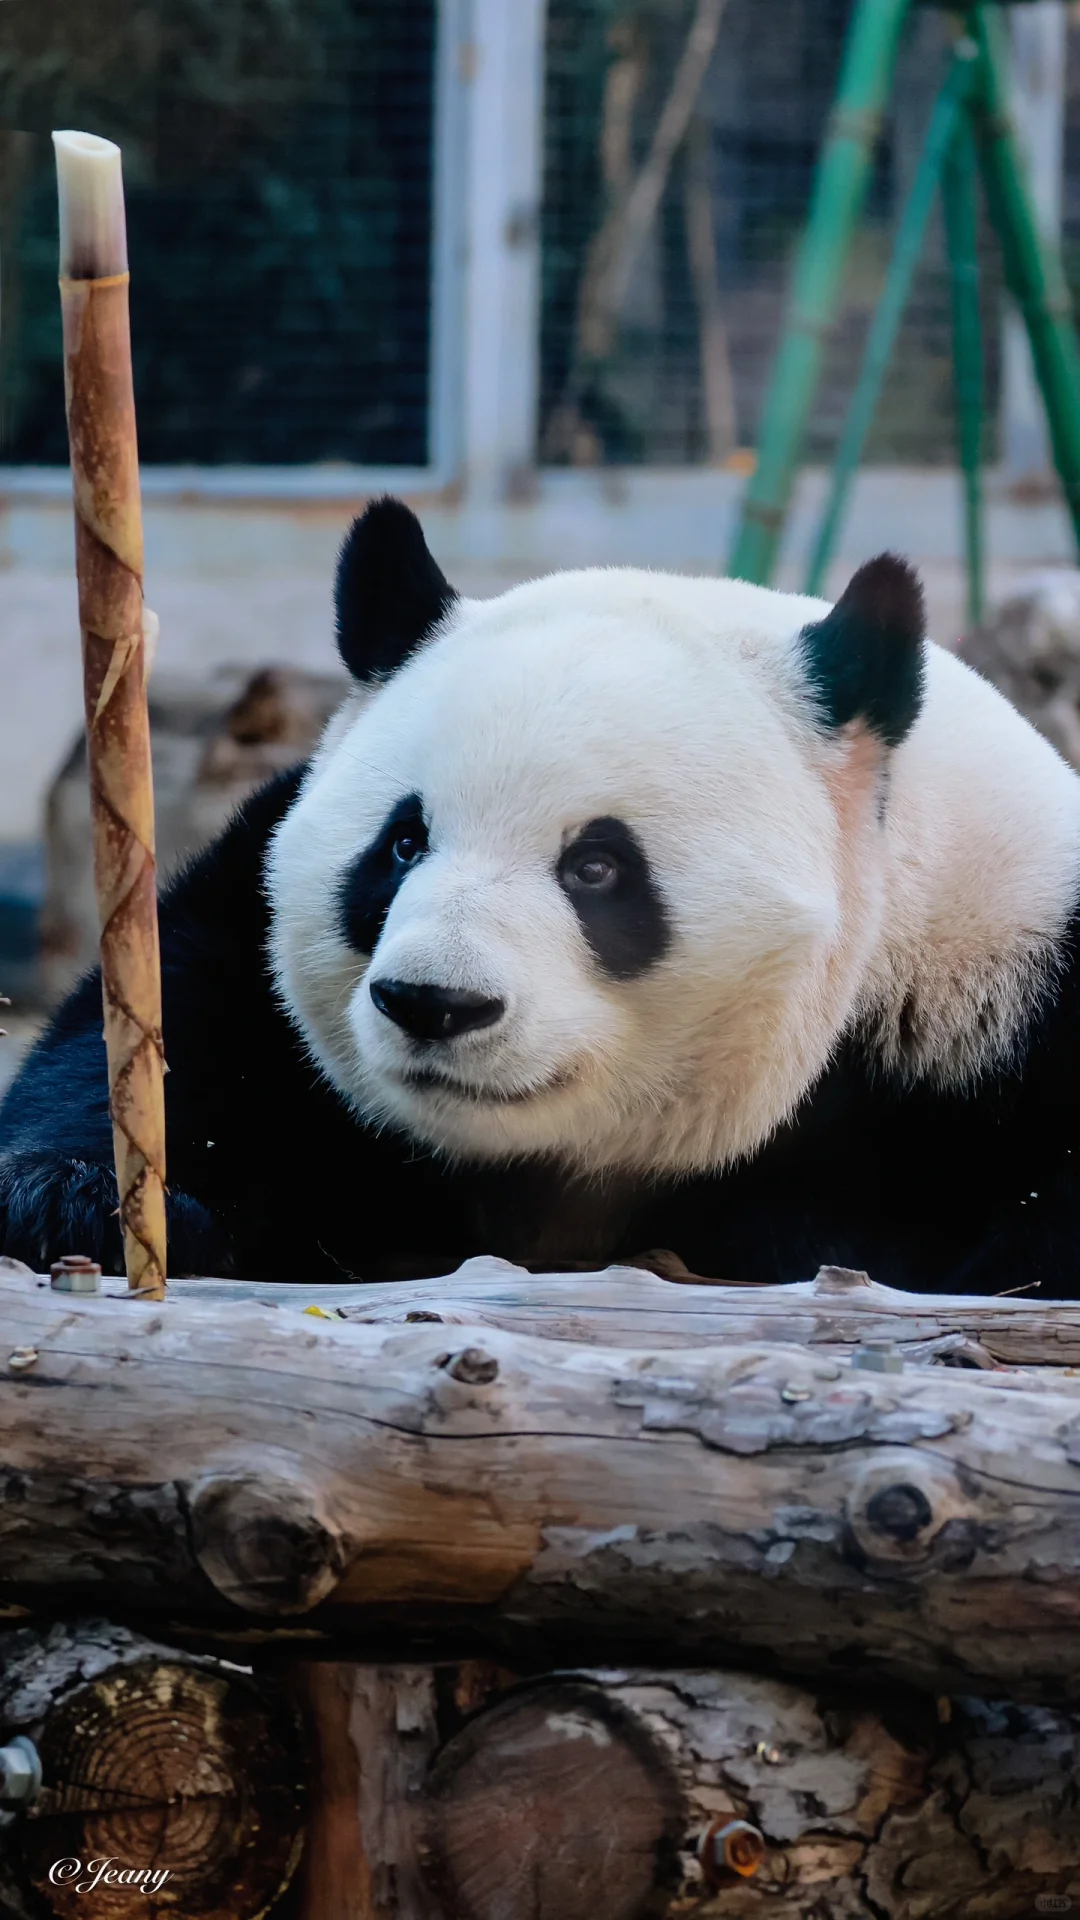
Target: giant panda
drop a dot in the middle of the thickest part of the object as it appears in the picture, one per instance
(619, 911)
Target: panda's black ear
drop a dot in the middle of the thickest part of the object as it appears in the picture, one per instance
(865, 660)
(389, 593)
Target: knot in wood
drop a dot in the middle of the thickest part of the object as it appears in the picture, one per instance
(473, 1367)
(266, 1544)
(901, 1511)
(910, 1511)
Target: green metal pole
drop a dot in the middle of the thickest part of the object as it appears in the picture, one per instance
(839, 188)
(1032, 266)
(940, 135)
(959, 189)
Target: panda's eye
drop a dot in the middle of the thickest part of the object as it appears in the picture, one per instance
(409, 845)
(589, 872)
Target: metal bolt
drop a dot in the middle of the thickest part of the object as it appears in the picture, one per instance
(22, 1359)
(734, 1847)
(75, 1273)
(878, 1356)
(20, 1770)
(474, 1368)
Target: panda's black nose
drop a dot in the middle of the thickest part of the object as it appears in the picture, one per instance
(434, 1013)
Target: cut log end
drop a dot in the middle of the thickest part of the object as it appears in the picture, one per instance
(184, 1779)
(504, 1832)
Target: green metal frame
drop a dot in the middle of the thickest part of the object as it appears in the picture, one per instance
(1033, 269)
(911, 231)
(971, 116)
(959, 194)
(839, 191)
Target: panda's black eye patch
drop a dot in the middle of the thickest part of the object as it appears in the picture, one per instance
(371, 880)
(605, 875)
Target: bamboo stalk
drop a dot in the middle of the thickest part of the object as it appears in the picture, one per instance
(109, 562)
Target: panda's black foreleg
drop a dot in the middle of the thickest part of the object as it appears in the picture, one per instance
(51, 1205)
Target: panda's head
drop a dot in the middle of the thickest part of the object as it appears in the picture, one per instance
(595, 867)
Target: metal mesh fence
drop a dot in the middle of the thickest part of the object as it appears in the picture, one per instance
(665, 360)
(278, 160)
(279, 154)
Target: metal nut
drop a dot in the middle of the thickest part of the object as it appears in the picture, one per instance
(75, 1273)
(878, 1356)
(20, 1770)
(731, 1846)
(22, 1359)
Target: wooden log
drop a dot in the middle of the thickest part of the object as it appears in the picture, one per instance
(170, 1783)
(610, 1795)
(634, 1307)
(446, 1491)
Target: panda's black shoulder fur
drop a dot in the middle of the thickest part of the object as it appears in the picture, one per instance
(967, 1191)
(271, 1175)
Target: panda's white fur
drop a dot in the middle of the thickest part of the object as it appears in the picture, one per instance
(812, 877)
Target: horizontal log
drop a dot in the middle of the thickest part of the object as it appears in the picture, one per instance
(495, 1493)
(168, 1783)
(632, 1307)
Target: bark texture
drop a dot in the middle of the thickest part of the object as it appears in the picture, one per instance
(450, 1490)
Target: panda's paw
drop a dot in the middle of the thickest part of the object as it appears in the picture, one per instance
(51, 1205)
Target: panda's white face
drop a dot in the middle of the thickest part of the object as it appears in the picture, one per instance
(585, 876)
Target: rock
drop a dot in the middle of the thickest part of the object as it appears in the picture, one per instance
(1029, 647)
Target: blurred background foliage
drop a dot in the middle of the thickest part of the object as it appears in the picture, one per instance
(277, 157)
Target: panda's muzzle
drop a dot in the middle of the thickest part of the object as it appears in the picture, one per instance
(434, 1013)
